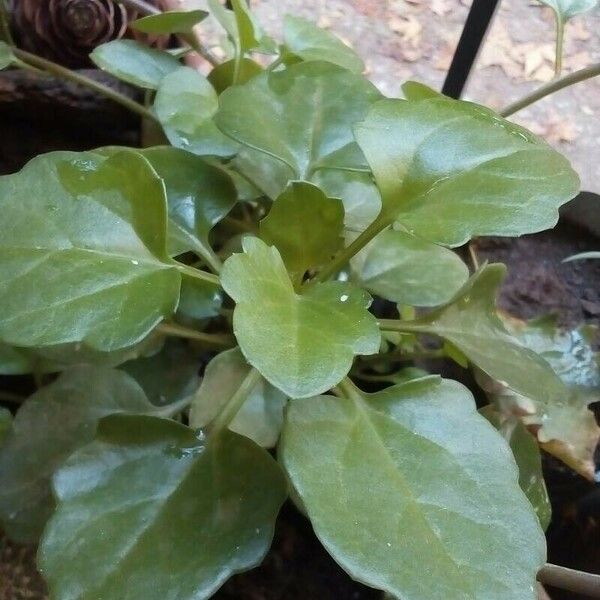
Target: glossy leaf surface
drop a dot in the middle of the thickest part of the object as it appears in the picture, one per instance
(311, 43)
(166, 23)
(185, 104)
(296, 123)
(413, 480)
(50, 426)
(409, 270)
(261, 415)
(170, 516)
(450, 170)
(134, 62)
(82, 241)
(302, 343)
(305, 225)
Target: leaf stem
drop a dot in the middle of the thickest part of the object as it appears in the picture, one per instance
(579, 582)
(400, 326)
(342, 259)
(75, 77)
(550, 88)
(176, 330)
(198, 274)
(560, 36)
(276, 63)
(234, 404)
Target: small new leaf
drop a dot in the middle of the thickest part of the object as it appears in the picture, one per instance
(261, 415)
(311, 43)
(50, 426)
(302, 343)
(168, 515)
(306, 227)
(82, 240)
(134, 62)
(450, 170)
(406, 269)
(413, 480)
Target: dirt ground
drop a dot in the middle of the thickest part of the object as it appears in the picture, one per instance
(415, 39)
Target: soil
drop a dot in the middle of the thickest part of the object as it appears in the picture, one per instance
(297, 567)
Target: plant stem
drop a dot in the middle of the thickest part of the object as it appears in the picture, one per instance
(173, 409)
(175, 330)
(75, 77)
(560, 36)
(140, 6)
(234, 404)
(550, 88)
(400, 326)
(11, 397)
(587, 584)
(198, 274)
(276, 63)
(340, 261)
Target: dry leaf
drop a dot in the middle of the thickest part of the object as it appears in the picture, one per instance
(409, 28)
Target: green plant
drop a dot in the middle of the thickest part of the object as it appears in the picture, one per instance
(289, 197)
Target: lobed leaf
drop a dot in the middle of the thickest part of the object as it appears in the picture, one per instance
(414, 493)
(261, 415)
(171, 516)
(50, 426)
(82, 240)
(305, 225)
(450, 170)
(301, 343)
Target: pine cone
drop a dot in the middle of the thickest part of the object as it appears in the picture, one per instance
(66, 31)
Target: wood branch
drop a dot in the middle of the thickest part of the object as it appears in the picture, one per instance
(41, 98)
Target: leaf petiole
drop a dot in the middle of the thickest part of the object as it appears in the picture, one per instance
(175, 330)
(173, 409)
(233, 406)
(198, 274)
(554, 86)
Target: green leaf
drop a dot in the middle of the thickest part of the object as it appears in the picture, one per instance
(5, 424)
(82, 239)
(50, 426)
(199, 299)
(309, 42)
(170, 516)
(406, 269)
(199, 195)
(7, 57)
(528, 458)
(471, 323)
(261, 415)
(413, 90)
(247, 29)
(185, 104)
(167, 376)
(567, 9)
(134, 62)
(413, 481)
(450, 170)
(221, 77)
(305, 225)
(302, 343)
(297, 123)
(166, 23)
